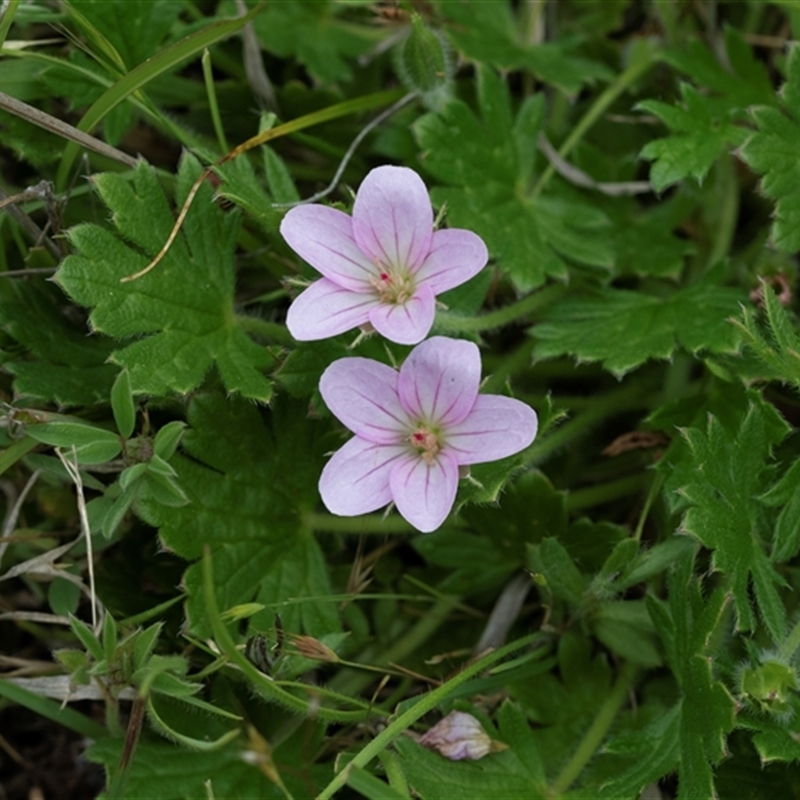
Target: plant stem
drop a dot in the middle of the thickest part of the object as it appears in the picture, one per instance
(263, 327)
(605, 492)
(635, 71)
(425, 704)
(594, 736)
(625, 399)
(452, 323)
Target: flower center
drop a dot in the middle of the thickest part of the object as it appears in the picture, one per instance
(425, 442)
(393, 286)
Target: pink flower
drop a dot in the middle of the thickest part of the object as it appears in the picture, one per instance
(414, 429)
(383, 266)
(459, 735)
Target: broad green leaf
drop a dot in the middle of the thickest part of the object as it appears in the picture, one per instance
(563, 703)
(246, 505)
(496, 776)
(656, 748)
(489, 33)
(167, 439)
(706, 124)
(164, 771)
(551, 560)
(774, 151)
(624, 329)
(722, 515)
(700, 135)
(484, 162)
(91, 445)
(183, 308)
(312, 33)
(122, 405)
(61, 363)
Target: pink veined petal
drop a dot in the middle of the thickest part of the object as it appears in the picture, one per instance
(356, 479)
(439, 380)
(362, 394)
(424, 493)
(496, 427)
(454, 258)
(393, 218)
(406, 323)
(325, 309)
(324, 237)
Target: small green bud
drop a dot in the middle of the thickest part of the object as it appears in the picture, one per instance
(770, 686)
(424, 60)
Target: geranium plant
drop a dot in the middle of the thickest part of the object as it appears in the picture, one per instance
(399, 399)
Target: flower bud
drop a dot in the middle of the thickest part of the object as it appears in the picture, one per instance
(424, 61)
(458, 736)
(770, 686)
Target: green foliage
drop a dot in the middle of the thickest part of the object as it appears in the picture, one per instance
(727, 476)
(624, 329)
(184, 307)
(490, 34)
(705, 126)
(488, 164)
(640, 557)
(250, 509)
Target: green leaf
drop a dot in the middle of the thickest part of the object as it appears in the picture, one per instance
(707, 714)
(774, 151)
(778, 349)
(656, 748)
(91, 445)
(168, 438)
(722, 516)
(484, 161)
(118, 509)
(312, 34)
(497, 776)
(366, 784)
(700, 136)
(61, 363)
(122, 405)
(164, 771)
(249, 508)
(553, 561)
(183, 308)
(624, 329)
(489, 33)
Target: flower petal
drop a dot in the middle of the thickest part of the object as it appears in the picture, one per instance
(439, 380)
(496, 427)
(326, 309)
(406, 323)
(324, 237)
(362, 394)
(424, 493)
(356, 479)
(393, 218)
(454, 258)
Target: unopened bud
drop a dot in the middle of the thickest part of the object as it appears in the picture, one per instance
(424, 61)
(309, 647)
(770, 686)
(458, 736)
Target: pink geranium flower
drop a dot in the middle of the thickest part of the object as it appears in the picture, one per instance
(383, 266)
(414, 429)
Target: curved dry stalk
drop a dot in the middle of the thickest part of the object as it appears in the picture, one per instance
(175, 228)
